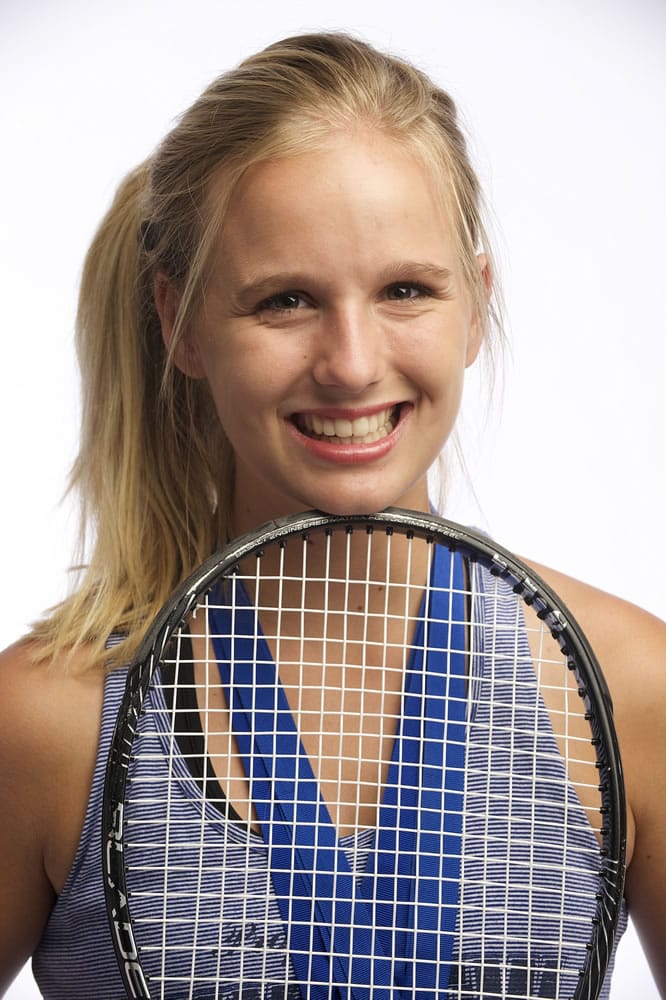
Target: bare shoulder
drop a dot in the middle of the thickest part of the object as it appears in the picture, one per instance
(49, 725)
(44, 706)
(630, 645)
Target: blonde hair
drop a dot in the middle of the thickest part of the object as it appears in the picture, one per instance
(155, 470)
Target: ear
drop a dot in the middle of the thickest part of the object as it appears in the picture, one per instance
(167, 303)
(478, 327)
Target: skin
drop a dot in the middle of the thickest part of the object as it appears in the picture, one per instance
(335, 293)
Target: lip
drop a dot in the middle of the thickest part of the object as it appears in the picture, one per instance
(332, 451)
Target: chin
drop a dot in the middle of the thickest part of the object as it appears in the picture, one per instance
(350, 509)
(370, 503)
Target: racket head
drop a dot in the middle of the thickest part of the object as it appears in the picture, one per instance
(601, 798)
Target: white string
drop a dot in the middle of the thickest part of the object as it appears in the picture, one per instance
(486, 931)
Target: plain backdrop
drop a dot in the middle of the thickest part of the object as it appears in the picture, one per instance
(565, 105)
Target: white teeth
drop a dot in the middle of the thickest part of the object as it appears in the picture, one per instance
(362, 430)
(344, 428)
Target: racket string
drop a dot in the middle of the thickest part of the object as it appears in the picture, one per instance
(516, 792)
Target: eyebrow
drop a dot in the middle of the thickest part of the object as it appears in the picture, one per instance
(424, 269)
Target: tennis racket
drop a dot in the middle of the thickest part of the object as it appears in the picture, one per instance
(369, 757)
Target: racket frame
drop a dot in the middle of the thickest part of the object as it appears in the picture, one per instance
(500, 562)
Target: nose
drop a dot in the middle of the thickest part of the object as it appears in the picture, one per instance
(351, 350)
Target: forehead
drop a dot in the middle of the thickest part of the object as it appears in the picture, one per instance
(354, 191)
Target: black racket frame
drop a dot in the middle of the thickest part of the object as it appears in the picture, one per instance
(499, 562)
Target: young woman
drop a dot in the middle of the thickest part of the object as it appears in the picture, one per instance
(275, 315)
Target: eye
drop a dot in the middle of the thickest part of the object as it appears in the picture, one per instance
(283, 302)
(402, 291)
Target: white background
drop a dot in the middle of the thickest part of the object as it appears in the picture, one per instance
(566, 105)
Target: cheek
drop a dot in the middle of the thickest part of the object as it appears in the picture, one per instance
(440, 355)
(247, 388)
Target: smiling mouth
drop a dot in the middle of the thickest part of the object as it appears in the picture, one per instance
(361, 430)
